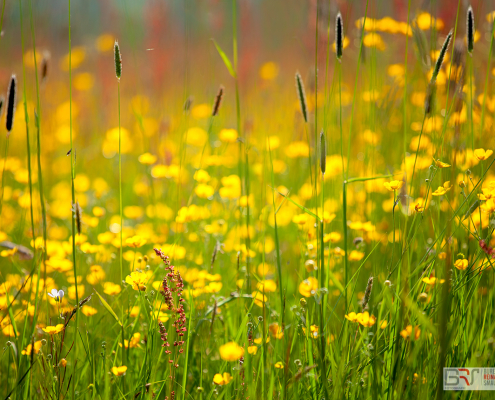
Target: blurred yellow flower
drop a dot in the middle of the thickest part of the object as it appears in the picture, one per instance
(221, 380)
(119, 371)
(147, 159)
(228, 135)
(393, 185)
(231, 351)
(308, 287)
(406, 333)
(54, 329)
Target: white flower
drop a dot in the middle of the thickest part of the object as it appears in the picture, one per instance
(57, 295)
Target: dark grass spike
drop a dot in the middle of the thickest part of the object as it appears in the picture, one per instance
(188, 103)
(323, 152)
(2, 101)
(441, 57)
(118, 60)
(11, 98)
(44, 66)
(302, 96)
(470, 30)
(218, 101)
(339, 36)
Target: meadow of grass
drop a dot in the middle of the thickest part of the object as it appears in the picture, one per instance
(316, 230)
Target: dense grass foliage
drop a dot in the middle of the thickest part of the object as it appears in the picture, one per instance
(323, 230)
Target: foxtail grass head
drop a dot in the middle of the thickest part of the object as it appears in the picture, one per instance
(118, 60)
(339, 36)
(323, 152)
(441, 58)
(302, 96)
(218, 101)
(44, 66)
(11, 95)
(470, 30)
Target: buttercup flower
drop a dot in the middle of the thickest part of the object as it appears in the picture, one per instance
(393, 185)
(231, 351)
(222, 379)
(482, 154)
(119, 371)
(54, 329)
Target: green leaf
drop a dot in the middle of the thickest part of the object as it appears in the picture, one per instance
(225, 59)
(107, 306)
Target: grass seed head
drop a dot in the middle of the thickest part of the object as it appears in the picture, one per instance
(339, 36)
(118, 60)
(470, 30)
(302, 96)
(44, 66)
(367, 292)
(218, 101)
(441, 57)
(323, 152)
(11, 95)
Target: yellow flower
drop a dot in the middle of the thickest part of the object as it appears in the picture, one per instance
(442, 189)
(253, 350)
(482, 154)
(62, 363)
(441, 164)
(54, 329)
(27, 351)
(228, 135)
(352, 316)
(355, 255)
(276, 330)
(105, 42)
(138, 279)
(204, 191)
(111, 288)
(134, 342)
(279, 365)
(406, 333)
(461, 264)
(374, 40)
(89, 311)
(119, 371)
(267, 286)
(259, 298)
(393, 185)
(308, 287)
(96, 275)
(231, 351)
(147, 159)
(366, 319)
(135, 241)
(201, 176)
(221, 380)
(269, 71)
(383, 324)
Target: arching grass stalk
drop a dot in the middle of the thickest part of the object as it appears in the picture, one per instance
(72, 177)
(38, 139)
(118, 74)
(26, 116)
